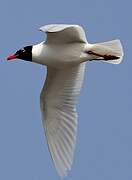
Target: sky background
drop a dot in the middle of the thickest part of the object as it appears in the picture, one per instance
(104, 140)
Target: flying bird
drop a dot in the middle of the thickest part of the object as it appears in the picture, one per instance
(65, 53)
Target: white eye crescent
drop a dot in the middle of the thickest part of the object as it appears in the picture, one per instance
(23, 50)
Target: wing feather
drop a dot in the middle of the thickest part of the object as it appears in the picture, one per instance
(64, 33)
(58, 106)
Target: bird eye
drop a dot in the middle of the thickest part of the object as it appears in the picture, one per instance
(20, 51)
(23, 50)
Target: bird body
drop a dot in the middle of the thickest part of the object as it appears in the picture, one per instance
(60, 55)
(65, 53)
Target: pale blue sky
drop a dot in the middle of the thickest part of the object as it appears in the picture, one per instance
(104, 142)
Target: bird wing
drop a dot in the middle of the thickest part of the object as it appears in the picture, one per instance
(64, 33)
(58, 105)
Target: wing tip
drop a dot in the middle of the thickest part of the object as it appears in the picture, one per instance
(57, 27)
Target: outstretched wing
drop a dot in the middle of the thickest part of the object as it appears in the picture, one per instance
(64, 33)
(58, 106)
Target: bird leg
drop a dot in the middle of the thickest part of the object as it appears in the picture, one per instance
(105, 57)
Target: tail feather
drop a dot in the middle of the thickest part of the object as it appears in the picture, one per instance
(112, 48)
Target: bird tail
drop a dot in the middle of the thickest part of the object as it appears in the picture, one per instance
(112, 50)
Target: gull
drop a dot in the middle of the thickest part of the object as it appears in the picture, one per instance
(65, 53)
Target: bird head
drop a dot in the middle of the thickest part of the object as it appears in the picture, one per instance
(24, 53)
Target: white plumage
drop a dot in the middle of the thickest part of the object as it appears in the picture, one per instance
(65, 53)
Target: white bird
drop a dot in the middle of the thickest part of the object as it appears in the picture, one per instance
(65, 53)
